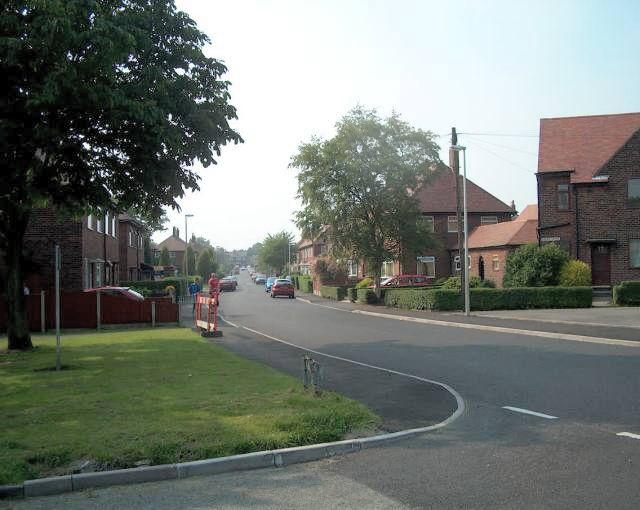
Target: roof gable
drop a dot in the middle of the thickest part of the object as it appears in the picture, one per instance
(583, 145)
(439, 195)
(172, 243)
(507, 233)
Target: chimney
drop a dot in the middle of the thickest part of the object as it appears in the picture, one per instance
(513, 205)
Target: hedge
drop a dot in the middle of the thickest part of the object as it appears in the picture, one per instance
(156, 286)
(352, 293)
(627, 293)
(367, 296)
(305, 284)
(333, 292)
(490, 299)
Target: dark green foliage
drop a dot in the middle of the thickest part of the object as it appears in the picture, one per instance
(352, 294)
(454, 282)
(575, 273)
(333, 292)
(164, 257)
(273, 252)
(156, 287)
(367, 296)
(490, 299)
(364, 283)
(627, 293)
(533, 266)
(306, 284)
(206, 263)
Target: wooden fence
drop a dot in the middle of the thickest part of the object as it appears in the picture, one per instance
(80, 310)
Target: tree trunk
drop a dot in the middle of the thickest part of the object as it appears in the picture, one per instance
(17, 323)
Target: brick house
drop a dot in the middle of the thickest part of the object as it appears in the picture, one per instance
(589, 192)
(438, 205)
(176, 248)
(131, 249)
(308, 250)
(489, 245)
(88, 245)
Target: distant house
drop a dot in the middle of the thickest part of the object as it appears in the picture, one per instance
(131, 248)
(176, 248)
(489, 245)
(310, 249)
(589, 192)
(437, 202)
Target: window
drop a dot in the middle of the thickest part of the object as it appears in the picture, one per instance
(495, 263)
(457, 262)
(107, 224)
(426, 266)
(428, 223)
(352, 267)
(131, 238)
(172, 255)
(634, 252)
(634, 192)
(563, 197)
(488, 220)
(99, 225)
(452, 224)
(113, 226)
(90, 222)
(387, 269)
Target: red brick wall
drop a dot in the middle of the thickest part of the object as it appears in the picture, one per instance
(562, 222)
(487, 254)
(130, 257)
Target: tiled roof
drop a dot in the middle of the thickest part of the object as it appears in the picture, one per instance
(583, 145)
(439, 195)
(172, 243)
(522, 230)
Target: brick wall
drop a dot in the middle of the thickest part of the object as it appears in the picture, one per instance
(130, 256)
(488, 254)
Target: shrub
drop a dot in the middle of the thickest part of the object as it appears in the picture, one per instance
(333, 292)
(352, 293)
(367, 296)
(575, 273)
(474, 282)
(305, 284)
(155, 287)
(533, 266)
(364, 283)
(329, 270)
(627, 293)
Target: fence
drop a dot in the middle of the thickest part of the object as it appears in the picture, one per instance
(81, 310)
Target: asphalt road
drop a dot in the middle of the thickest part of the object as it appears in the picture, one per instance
(569, 456)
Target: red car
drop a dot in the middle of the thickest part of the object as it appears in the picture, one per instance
(406, 280)
(119, 291)
(282, 287)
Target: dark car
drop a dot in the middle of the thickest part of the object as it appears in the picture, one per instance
(228, 283)
(119, 291)
(269, 283)
(260, 279)
(282, 287)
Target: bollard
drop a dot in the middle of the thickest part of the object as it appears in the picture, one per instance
(153, 314)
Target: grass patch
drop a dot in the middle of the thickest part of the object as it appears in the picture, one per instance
(163, 395)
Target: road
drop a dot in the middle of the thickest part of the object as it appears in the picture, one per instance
(579, 449)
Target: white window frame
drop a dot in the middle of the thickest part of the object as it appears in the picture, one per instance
(635, 264)
(99, 225)
(427, 261)
(488, 220)
(457, 264)
(495, 263)
(113, 225)
(90, 221)
(385, 266)
(352, 268)
(451, 219)
(130, 238)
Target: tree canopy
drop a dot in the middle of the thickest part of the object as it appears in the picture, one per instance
(105, 103)
(362, 184)
(273, 253)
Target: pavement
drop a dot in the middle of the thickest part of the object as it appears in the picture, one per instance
(490, 457)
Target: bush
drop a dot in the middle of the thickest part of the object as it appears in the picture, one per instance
(305, 284)
(627, 293)
(454, 282)
(490, 299)
(155, 287)
(333, 292)
(364, 283)
(533, 266)
(575, 273)
(367, 296)
(328, 270)
(352, 293)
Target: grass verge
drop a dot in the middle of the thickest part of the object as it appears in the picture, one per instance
(157, 396)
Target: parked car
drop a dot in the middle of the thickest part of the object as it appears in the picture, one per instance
(119, 291)
(228, 283)
(282, 287)
(269, 283)
(406, 280)
(260, 279)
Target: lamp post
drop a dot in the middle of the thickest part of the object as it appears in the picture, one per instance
(186, 250)
(467, 301)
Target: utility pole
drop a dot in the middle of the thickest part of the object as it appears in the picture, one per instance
(454, 164)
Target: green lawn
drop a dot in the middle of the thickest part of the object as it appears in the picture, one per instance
(163, 395)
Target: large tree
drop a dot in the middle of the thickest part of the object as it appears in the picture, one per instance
(103, 103)
(273, 252)
(362, 183)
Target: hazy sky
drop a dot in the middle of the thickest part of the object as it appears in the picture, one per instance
(485, 67)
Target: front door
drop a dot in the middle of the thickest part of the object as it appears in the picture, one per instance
(600, 264)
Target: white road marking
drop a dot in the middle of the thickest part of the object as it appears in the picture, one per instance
(533, 413)
(459, 400)
(228, 321)
(628, 434)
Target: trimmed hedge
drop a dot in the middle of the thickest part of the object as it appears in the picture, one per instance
(156, 287)
(367, 296)
(305, 284)
(627, 293)
(491, 299)
(352, 293)
(333, 292)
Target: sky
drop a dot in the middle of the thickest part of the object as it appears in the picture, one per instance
(490, 68)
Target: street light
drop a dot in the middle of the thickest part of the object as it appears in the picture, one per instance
(186, 246)
(467, 304)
